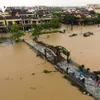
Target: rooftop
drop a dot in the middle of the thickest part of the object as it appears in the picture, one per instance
(12, 17)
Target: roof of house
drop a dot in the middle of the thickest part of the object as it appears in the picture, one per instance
(24, 12)
(1, 18)
(12, 17)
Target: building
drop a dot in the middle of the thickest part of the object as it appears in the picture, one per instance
(2, 25)
(23, 16)
(94, 7)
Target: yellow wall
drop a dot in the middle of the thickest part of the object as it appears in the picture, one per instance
(6, 22)
(3, 22)
(13, 21)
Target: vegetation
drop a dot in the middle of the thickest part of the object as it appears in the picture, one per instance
(53, 24)
(70, 19)
(59, 15)
(16, 32)
(38, 29)
(74, 19)
(46, 71)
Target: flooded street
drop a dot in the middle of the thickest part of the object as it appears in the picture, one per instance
(18, 62)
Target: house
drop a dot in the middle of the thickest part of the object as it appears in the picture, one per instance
(24, 16)
(2, 24)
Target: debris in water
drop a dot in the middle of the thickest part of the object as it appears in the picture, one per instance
(33, 73)
(33, 88)
(48, 36)
(88, 34)
(46, 71)
(12, 79)
(7, 78)
(73, 35)
(20, 78)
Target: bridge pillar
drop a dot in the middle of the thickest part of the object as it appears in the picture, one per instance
(55, 59)
(45, 53)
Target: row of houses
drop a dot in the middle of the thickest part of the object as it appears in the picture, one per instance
(22, 17)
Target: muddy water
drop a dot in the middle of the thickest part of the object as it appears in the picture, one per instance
(83, 50)
(18, 62)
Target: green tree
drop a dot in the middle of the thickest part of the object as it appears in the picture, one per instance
(16, 32)
(55, 23)
(70, 19)
(36, 31)
(59, 15)
(92, 12)
(33, 25)
(88, 20)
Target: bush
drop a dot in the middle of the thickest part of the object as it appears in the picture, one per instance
(46, 71)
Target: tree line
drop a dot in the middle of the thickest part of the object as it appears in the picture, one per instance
(36, 29)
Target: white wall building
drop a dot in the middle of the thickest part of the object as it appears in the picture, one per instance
(94, 7)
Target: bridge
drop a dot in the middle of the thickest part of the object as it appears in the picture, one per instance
(51, 53)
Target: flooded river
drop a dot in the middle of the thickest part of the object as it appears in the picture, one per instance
(18, 63)
(84, 50)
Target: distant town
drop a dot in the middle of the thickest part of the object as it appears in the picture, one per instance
(39, 43)
(26, 16)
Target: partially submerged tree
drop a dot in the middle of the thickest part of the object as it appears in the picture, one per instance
(70, 19)
(36, 31)
(53, 24)
(16, 32)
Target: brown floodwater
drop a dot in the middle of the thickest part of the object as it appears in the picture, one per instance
(18, 62)
(84, 50)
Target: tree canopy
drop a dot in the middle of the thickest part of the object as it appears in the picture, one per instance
(36, 31)
(37, 28)
(70, 19)
(16, 31)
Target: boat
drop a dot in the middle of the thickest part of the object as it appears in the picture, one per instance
(54, 55)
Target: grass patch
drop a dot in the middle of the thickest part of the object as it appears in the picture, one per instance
(47, 72)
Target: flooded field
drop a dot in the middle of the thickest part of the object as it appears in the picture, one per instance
(21, 72)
